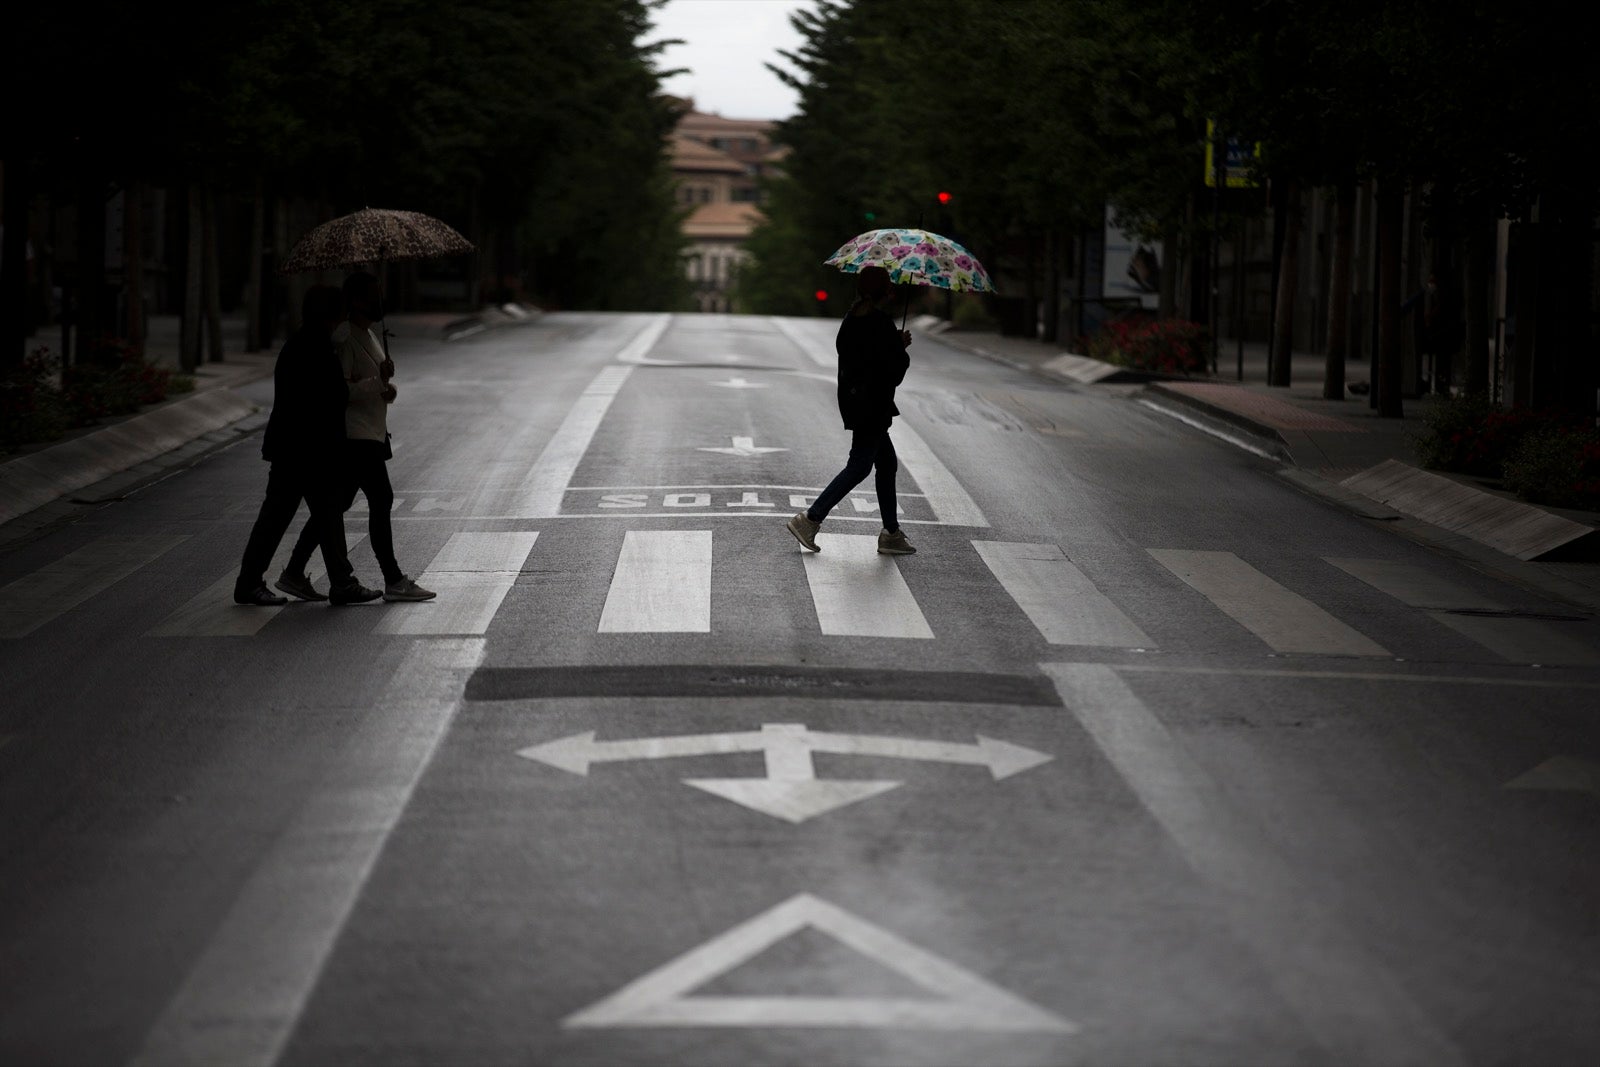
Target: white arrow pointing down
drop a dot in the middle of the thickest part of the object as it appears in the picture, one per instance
(790, 790)
(744, 446)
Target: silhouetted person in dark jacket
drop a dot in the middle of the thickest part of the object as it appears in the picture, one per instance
(304, 436)
(872, 362)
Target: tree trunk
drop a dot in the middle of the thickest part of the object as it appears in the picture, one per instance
(213, 281)
(14, 264)
(193, 279)
(90, 325)
(1288, 283)
(1052, 287)
(253, 339)
(133, 263)
(1339, 292)
(1480, 242)
(1167, 303)
(1391, 225)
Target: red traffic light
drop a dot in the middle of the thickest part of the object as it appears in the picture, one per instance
(821, 294)
(944, 197)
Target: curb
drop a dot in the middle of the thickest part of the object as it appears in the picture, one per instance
(31, 481)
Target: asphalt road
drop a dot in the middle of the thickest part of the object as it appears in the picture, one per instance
(1146, 756)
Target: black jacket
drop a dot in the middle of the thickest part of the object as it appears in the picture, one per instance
(872, 361)
(308, 401)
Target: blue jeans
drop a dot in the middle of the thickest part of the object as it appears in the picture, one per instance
(868, 449)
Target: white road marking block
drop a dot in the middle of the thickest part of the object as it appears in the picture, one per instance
(245, 993)
(859, 593)
(212, 612)
(1568, 774)
(1517, 640)
(662, 584)
(744, 448)
(1063, 604)
(56, 588)
(472, 574)
(790, 790)
(540, 493)
(950, 502)
(1286, 621)
(736, 382)
(1348, 1002)
(959, 999)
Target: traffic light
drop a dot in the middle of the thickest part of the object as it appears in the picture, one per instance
(870, 216)
(821, 295)
(944, 197)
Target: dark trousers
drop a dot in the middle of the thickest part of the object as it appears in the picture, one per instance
(869, 449)
(365, 469)
(288, 483)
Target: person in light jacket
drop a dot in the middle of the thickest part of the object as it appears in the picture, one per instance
(872, 362)
(367, 371)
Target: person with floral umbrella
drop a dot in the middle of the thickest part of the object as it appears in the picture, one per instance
(872, 362)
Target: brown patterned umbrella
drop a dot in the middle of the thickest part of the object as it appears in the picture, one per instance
(373, 235)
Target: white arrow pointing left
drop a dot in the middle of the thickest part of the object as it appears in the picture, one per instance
(744, 447)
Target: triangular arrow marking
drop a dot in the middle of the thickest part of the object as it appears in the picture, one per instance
(958, 1000)
(1563, 773)
(794, 801)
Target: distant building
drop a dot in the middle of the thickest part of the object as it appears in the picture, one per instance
(717, 163)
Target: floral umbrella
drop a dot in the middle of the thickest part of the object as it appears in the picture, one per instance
(914, 257)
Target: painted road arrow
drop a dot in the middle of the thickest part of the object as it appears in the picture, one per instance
(745, 447)
(790, 790)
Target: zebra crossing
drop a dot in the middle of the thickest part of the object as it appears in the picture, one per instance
(661, 581)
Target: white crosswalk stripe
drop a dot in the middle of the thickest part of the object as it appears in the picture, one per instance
(56, 588)
(859, 593)
(1063, 604)
(1517, 640)
(1286, 621)
(472, 574)
(662, 584)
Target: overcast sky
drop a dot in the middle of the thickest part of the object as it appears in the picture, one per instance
(726, 43)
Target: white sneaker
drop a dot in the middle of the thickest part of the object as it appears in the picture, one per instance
(407, 590)
(805, 531)
(894, 544)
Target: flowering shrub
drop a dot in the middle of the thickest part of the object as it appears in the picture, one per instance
(31, 407)
(1557, 465)
(1167, 346)
(39, 401)
(1469, 435)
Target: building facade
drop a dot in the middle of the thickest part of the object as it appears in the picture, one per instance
(718, 163)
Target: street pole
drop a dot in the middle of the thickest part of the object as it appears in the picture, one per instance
(1217, 177)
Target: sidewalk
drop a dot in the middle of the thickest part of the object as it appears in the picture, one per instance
(1340, 450)
(38, 483)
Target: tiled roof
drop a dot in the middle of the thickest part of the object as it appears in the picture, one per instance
(690, 154)
(734, 220)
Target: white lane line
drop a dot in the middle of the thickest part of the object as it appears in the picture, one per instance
(950, 503)
(244, 995)
(1064, 605)
(1517, 640)
(859, 593)
(212, 612)
(662, 584)
(472, 574)
(1348, 1002)
(56, 588)
(1286, 621)
(539, 496)
(817, 345)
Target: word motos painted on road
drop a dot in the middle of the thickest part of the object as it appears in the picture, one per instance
(731, 500)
